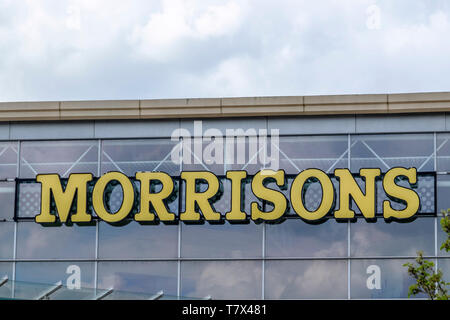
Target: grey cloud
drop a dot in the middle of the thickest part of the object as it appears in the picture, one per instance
(53, 50)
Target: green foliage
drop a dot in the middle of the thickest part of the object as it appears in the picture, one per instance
(428, 280)
(445, 225)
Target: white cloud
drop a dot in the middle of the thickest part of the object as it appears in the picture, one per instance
(422, 37)
(219, 20)
(61, 50)
(166, 33)
(306, 279)
(224, 279)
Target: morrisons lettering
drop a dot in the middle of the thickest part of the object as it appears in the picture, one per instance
(75, 198)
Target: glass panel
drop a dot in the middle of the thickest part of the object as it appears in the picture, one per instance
(296, 238)
(221, 279)
(249, 197)
(441, 237)
(35, 241)
(29, 202)
(128, 295)
(312, 195)
(31, 290)
(62, 157)
(69, 293)
(294, 279)
(392, 239)
(6, 269)
(425, 190)
(131, 156)
(147, 277)
(443, 203)
(372, 279)
(7, 196)
(443, 190)
(221, 241)
(443, 152)
(392, 150)
(210, 160)
(444, 265)
(247, 153)
(6, 240)
(8, 160)
(133, 241)
(222, 204)
(70, 274)
(322, 152)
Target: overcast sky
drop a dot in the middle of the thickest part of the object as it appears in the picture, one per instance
(115, 49)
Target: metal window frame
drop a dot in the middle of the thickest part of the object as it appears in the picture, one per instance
(179, 259)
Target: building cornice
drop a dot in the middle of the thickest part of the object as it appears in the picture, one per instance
(226, 107)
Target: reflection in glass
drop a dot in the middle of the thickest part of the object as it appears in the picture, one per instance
(383, 278)
(222, 204)
(321, 152)
(443, 151)
(296, 238)
(8, 160)
(306, 279)
(221, 279)
(312, 195)
(6, 269)
(131, 156)
(444, 265)
(134, 241)
(443, 201)
(35, 241)
(70, 293)
(147, 277)
(392, 239)
(6, 240)
(209, 160)
(129, 295)
(247, 153)
(443, 190)
(29, 202)
(249, 198)
(425, 189)
(61, 157)
(392, 150)
(221, 241)
(235, 279)
(49, 273)
(7, 196)
(441, 237)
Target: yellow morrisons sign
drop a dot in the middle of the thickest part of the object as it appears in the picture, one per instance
(74, 198)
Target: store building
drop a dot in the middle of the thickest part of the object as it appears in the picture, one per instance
(286, 258)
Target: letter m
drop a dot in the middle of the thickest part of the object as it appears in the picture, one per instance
(63, 199)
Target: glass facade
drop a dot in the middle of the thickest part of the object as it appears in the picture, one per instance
(289, 260)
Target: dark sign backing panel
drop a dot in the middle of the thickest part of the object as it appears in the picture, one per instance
(28, 195)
